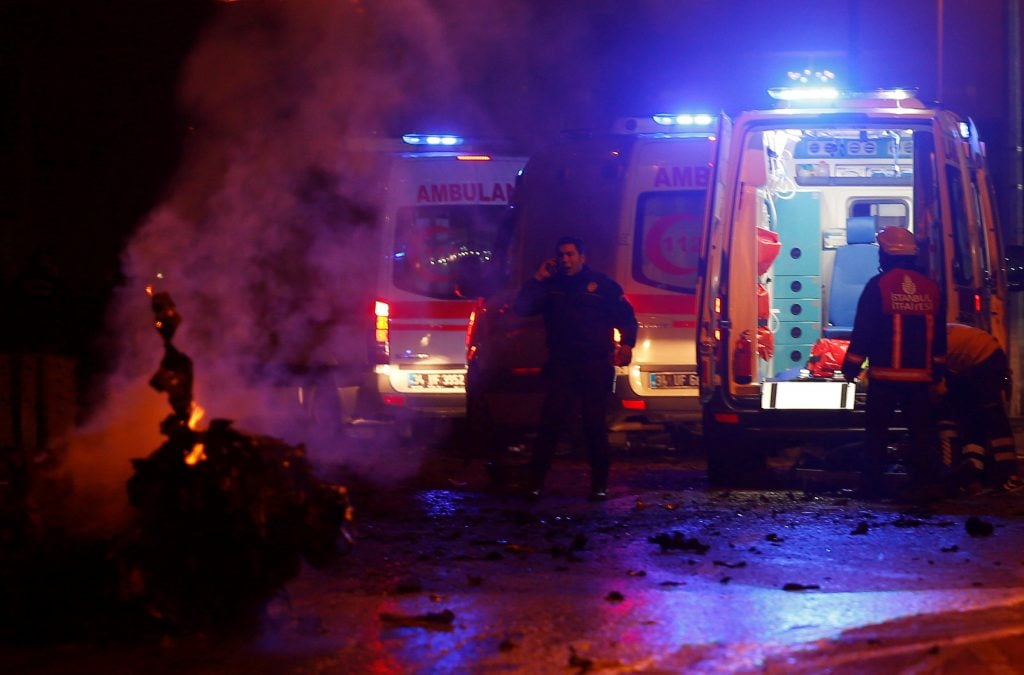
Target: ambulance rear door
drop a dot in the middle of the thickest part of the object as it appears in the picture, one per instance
(443, 220)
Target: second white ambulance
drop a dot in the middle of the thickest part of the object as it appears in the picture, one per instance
(639, 198)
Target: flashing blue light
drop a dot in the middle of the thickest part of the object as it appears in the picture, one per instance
(804, 93)
(684, 120)
(897, 94)
(807, 85)
(806, 76)
(432, 139)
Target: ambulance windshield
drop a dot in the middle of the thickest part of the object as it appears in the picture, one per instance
(447, 251)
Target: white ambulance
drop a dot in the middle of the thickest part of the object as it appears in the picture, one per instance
(807, 187)
(638, 197)
(446, 199)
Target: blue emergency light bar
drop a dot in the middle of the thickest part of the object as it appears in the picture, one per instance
(807, 85)
(804, 93)
(432, 139)
(817, 87)
(685, 120)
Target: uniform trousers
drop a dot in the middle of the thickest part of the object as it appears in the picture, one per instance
(590, 383)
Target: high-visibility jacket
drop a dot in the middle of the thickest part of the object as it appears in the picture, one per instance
(899, 329)
(968, 346)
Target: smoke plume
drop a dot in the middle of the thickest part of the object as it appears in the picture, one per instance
(267, 237)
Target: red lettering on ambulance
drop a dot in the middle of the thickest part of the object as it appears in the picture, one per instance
(682, 176)
(463, 192)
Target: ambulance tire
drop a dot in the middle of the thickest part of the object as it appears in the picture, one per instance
(734, 462)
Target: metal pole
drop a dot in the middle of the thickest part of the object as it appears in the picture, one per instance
(939, 49)
(1015, 129)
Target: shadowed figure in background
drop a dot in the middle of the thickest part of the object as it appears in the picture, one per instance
(900, 330)
(581, 308)
(977, 388)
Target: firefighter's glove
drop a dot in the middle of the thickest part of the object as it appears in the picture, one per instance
(623, 355)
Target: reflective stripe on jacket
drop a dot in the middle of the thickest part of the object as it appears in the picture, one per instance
(900, 328)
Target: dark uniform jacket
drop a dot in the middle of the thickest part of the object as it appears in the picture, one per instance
(900, 328)
(580, 312)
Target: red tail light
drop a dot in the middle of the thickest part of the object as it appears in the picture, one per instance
(478, 308)
(381, 332)
(634, 404)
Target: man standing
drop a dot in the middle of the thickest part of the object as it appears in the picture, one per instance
(900, 330)
(978, 386)
(581, 309)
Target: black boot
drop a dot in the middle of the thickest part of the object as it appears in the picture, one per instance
(598, 487)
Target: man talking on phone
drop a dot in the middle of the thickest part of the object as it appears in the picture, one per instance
(581, 308)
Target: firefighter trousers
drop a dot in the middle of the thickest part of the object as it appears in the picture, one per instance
(975, 401)
(911, 398)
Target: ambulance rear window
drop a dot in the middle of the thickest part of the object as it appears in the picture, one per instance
(666, 249)
(442, 248)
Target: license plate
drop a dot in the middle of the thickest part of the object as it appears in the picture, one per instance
(437, 380)
(673, 380)
(808, 395)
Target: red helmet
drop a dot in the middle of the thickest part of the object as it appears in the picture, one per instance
(897, 241)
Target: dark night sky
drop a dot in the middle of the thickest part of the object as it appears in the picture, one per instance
(96, 129)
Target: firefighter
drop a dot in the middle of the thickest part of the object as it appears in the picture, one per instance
(977, 390)
(900, 331)
(581, 308)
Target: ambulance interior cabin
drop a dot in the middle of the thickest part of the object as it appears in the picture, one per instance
(818, 197)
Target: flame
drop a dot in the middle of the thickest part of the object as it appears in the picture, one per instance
(197, 414)
(198, 453)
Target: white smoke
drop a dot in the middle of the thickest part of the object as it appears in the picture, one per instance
(267, 238)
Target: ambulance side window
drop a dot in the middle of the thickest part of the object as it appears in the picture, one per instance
(962, 268)
(887, 212)
(666, 248)
(979, 217)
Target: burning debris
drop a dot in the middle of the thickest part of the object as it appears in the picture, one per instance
(225, 517)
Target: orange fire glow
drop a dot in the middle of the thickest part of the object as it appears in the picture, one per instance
(197, 454)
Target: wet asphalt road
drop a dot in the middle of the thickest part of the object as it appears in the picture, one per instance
(669, 575)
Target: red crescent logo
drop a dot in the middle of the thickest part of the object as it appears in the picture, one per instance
(665, 238)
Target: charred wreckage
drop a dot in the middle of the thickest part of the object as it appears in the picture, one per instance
(222, 521)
